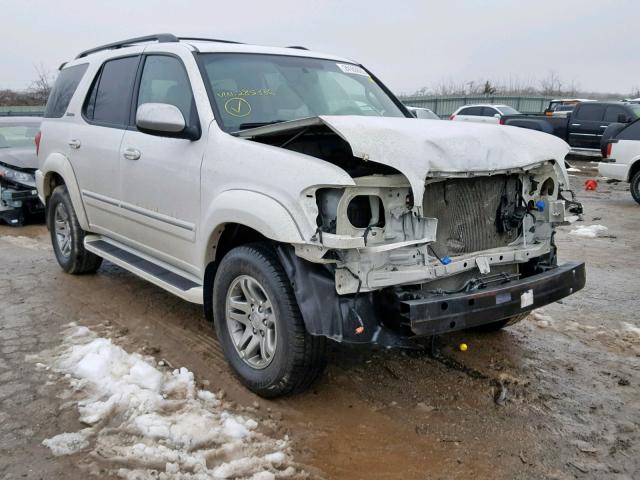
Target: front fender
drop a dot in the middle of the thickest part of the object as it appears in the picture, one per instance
(251, 209)
(57, 163)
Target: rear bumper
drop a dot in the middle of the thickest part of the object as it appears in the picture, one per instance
(445, 313)
(617, 171)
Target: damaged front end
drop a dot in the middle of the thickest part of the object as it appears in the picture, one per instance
(18, 194)
(418, 248)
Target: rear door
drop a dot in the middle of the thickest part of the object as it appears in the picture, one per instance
(586, 125)
(95, 142)
(469, 114)
(160, 175)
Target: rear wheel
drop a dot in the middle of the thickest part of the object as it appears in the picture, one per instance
(635, 186)
(507, 322)
(259, 325)
(67, 237)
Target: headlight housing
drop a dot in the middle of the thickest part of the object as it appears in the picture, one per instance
(17, 176)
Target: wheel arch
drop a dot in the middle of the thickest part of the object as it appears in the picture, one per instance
(57, 170)
(633, 169)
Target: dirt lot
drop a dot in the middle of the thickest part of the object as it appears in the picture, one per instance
(557, 396)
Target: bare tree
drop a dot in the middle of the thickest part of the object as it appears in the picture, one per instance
(551, 84)
(40, 88)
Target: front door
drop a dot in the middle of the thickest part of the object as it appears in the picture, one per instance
(585, 125)
(160, 175)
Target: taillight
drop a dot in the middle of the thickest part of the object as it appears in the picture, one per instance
(452, 116)
(501, 122)
(608, 152)
(37, 141)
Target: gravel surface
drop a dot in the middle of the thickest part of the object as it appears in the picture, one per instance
(556, 396)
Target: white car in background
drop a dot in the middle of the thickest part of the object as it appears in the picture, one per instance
(482, 113)
(621, 158)
(423, 113)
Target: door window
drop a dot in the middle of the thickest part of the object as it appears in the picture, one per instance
(488, 111)
(612, 112)
(590, 112)
(475, 111)
(109, 100)
(164, 80)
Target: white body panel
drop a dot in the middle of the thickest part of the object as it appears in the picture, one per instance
(625, 153)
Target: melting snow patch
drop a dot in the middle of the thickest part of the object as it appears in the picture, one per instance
(541, 320)
(26, 242)
(147, 423)
(68, 443)
(589, 231)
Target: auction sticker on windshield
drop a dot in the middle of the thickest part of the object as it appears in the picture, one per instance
(238, 107)
(354, 69)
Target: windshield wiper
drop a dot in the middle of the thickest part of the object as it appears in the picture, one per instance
(246, 126)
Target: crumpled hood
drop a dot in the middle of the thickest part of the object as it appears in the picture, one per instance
(19, 157)
(419, 147)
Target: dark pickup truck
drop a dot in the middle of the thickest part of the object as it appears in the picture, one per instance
(583, 127)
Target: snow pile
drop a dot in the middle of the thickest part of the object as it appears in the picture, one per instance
(589, 231)
(146, 423)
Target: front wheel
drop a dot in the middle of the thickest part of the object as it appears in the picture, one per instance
(635, 186)
(67, 237)
(259, 324)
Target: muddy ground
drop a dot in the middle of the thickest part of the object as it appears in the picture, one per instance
(557, 396)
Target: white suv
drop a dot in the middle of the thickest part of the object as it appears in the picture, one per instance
(482, 113)
(621, 157)
(297, 199)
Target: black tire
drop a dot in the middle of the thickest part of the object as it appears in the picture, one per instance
(77, 260)
(299, 358)
(635, 186)
(499, 325)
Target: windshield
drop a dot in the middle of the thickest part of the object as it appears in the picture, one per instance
(507, 110)
(15, 135)
(250, 90)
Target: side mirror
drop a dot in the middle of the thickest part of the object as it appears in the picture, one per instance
(496, 115)
(622, 118)
(160, 119)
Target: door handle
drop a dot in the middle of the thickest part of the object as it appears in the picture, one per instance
(575, 124)
(131, 154)
(75, 144)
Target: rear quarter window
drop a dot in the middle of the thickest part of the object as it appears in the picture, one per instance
(631, 132)
(63, 90)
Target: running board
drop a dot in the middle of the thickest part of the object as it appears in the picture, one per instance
(143, 266)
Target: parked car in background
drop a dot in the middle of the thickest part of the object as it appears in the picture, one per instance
(295, 198)
(621, 157)
(482, 113)
(18, 163)
(583, 128)
(561, 107)
(423, 113)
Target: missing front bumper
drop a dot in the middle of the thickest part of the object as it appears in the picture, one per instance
(445, 313)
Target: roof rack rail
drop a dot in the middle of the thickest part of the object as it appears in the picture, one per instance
(298, 47)
(200, 39)
(158, 37)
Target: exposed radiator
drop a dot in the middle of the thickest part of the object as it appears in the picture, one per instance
(466, 210)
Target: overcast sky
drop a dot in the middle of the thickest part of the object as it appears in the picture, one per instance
(408, 44)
